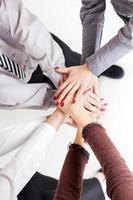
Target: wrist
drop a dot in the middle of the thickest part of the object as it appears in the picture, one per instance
(79, 139)
(82, 119)
(86, 67)
(56, 119)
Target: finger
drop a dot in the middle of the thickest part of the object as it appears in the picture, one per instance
(61, 88)
(71, 96)
(62, 70)
(60, 83)
(86, 91)
(94, 102)
(91, 108)
(79, 93)
(95, 97)
(65, 92)
(65, 76)
(95, 88)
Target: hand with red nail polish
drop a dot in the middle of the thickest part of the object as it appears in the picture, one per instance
(75, 108)
(77, 79)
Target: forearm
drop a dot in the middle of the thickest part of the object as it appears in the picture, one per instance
(27, 160)
(70, 182)
(115, 49)
(119, 178)
(106, 56)
(15, 136)
(16, 174)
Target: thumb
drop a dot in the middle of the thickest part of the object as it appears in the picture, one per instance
(62, 70)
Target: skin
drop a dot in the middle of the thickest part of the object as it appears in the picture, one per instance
(79, 114)
(79, 139)
(77, 79)
(57, 118)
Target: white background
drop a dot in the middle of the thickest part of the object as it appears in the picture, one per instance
(62, 18)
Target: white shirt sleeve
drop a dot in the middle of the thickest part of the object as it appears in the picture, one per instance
(32, 35)
(15, 136)
(16, 174)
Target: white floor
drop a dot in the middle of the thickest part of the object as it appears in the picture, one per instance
(62, 18)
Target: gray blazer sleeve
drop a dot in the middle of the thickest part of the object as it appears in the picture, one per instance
(111, 52)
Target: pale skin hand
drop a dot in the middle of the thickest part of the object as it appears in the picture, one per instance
(78, 113)
(78, 78)
(58, 118)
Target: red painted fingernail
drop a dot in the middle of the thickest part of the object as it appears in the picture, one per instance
(55, 97)
(105, 104)
(62, 104)
(57, 67)
(74, 101)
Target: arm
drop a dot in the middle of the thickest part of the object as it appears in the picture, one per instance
(92, 17)
(16, 94)
(16, 174)
(115, 49)
(32, 35)
(70, 182)
(119, 178)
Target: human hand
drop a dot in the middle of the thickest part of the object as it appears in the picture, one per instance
(78, 112)
(94, 103)
(77, 79)
(68, 120)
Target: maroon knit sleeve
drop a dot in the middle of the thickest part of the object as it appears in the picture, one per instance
(70, 182)
(119, 178)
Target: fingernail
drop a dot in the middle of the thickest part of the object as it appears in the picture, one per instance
(55, 97)
(105, 104)
(102, 109)
(57, 67)
(101, 99)
(74, 101)
(62, 104)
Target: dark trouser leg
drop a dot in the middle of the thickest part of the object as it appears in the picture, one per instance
(92, 190)
(42, 187)
(124, 18)
(71, 59)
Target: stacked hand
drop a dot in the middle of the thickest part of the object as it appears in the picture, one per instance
(75, 79)
(78, 112)
(75, 82)
(77, 96)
